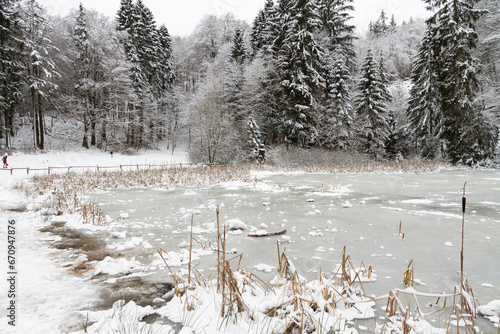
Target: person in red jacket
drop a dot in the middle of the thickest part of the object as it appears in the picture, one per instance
(4, 160)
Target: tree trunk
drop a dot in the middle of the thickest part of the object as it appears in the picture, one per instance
(41, 122)
(140, 128)
(93, 141)
(2, 127)
(85, 142)
(103, 133)
(34, 108)
(130, 127)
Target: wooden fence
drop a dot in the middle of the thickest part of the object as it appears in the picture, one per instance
(96, 168)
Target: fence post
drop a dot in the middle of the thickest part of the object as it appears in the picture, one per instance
(11, 171)
(48, 170)
(121, 169)
(27, 170)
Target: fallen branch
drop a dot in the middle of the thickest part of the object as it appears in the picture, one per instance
(258, 235)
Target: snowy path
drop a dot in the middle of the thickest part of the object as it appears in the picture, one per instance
(42, 282)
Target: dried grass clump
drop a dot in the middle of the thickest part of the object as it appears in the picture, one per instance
(93, 215)
(66, 191)
(321, 160)
(296, 305)
(404, 166)
(293, 303)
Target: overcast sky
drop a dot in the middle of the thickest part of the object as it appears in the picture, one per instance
(181, 16)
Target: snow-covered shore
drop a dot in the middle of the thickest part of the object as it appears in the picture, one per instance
(48, 297)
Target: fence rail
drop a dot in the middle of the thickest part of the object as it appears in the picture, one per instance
(97, 167)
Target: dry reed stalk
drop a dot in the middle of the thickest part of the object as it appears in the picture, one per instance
(396, 309)
(346, 267)
(463, 231)
(409, 275)
(218, 250)
(401, 234)
(190, 250)
(174, 277)
(205, 246)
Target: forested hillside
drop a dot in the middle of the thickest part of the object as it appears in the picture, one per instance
(298, 76)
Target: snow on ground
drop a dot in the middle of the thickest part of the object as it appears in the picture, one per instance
(41, 281)
(92, 157)
(48, 297)
(491, 311)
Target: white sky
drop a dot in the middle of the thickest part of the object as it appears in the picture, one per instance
(181, 16)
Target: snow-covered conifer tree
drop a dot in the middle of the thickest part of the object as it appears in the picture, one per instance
(335, 17)
(82, 64)
(166, 75)
(424, 109)
(336, 122)
(468, 135)
(384, 78)
(261, 37)
(371, 109)
(254, 137)
(488, 51)
(238, 50)
(303, 74)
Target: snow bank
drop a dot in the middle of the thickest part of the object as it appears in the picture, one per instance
(236, 224)
(491, 311)
(122, 318)
(112, 266)
(264, 267)
(199, 309)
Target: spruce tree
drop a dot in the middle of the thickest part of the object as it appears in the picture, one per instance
(380, 27)
(149, 53)
(124, 16)
(146, 40)
(238, 51)
(82, 66)
(469, 136)
(424, 110)
(278, 28)
(488, 52)
(384, 78)
(254, 137)
(371, 109)
(336, 119)
(303, 74)
(334, 16)
(392, 24)
(260, 37)
(166, 75)
(235, 79)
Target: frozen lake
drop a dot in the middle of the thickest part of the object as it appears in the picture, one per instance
(322, 213)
